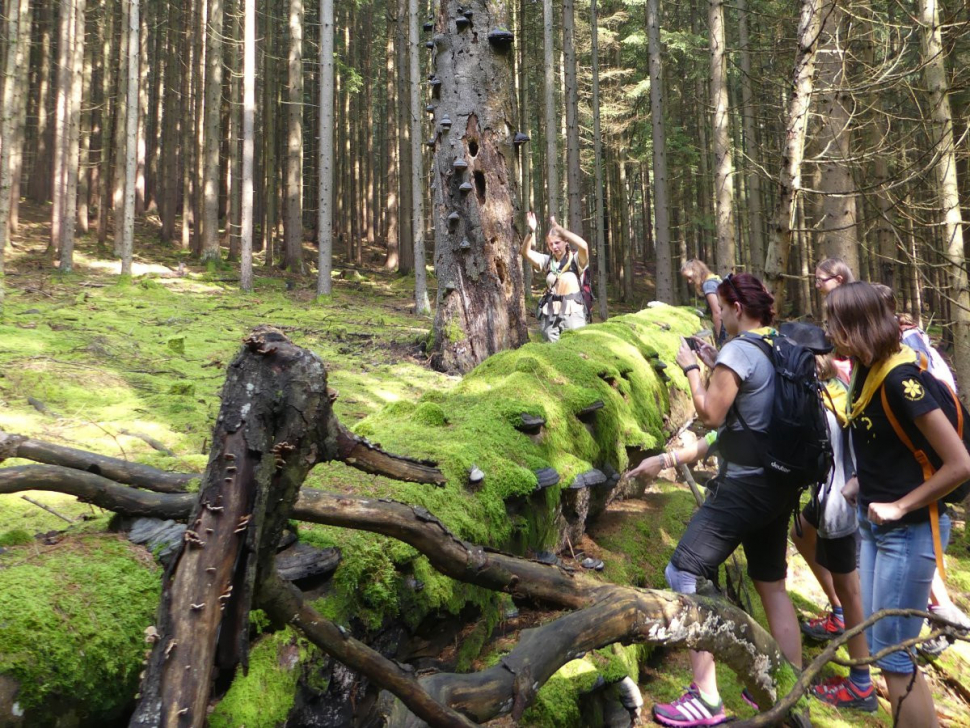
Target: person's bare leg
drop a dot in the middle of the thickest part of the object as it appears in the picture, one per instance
(917, 709)
(806, 547)
(782, 621)
(705, 677)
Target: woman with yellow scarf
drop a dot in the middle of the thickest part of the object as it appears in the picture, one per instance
(897, 559)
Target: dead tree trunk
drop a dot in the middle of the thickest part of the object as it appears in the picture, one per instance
(480, 294)
(274, 425)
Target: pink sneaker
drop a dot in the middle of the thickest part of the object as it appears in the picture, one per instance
(689, 710)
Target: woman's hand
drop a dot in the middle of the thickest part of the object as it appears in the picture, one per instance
(530, 220)
(850, 491)
(706, 353)
(649, 468)
(880, 513)
(685, 355)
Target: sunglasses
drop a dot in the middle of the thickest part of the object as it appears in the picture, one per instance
(734, 288)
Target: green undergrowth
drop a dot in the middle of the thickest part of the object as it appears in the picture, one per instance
(72, 627)
(264, 696)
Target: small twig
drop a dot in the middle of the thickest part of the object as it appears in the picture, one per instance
(47, 508)
(150, 440)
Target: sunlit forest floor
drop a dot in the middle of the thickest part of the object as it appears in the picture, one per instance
(94, 362)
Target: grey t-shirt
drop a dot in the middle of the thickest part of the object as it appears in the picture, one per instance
(755, 396)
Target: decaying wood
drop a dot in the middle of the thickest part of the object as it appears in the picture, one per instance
(302, 560)
(120, 471)
(363, 455)
(97, 490)
(275, 423)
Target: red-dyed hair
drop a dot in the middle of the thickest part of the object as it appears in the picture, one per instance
(751, 293)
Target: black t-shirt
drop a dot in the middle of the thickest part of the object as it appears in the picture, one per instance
(886, 468)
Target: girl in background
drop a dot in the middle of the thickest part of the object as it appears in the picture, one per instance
(705, 284)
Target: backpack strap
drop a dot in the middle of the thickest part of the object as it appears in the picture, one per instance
(928, 471)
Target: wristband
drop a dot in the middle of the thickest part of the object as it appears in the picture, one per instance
(691, 367)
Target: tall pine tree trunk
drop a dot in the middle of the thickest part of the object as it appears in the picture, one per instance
(403, 54)
(935, 77)
(574, 179)
(790, 180)
(480, 296)
(72, 138)
(248, 145)
(294, 141)
(838, 222)
(325, 195)
(421, 304)
(213, 132)
(723, 158)
(131, 138)
(549, 106)
(751, 148)
(664, 274)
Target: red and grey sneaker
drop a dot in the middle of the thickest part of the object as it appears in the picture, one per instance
(842, 693)
(822, 629)
(690, 709)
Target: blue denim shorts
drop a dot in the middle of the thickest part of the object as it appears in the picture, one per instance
(896, 566)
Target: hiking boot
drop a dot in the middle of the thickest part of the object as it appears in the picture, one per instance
(822, 629)
(689, 710)
(842, 693)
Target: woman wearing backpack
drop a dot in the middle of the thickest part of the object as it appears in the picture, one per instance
(705, 284)
(744, 508)
(897, 559)
(562, 307)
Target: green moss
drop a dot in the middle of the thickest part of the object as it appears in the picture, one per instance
(430, 414)
(71, 623)
(264, 696)
(15, 537)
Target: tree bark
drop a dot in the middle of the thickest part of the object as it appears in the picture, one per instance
(790, 181)
(549, 105)
(65, 30)
(664, 273)
(131, 135)
(421, 304)
(723, 158)
(600, 222)
(248, 145)
(72, 138)
(574, 176)
(18, 47)
(838, 221)
(480, 296)
(756, 223)
(325, 170)
(213, 133)
(935, 77)
(294, 142)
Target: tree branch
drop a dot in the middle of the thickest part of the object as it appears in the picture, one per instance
(363, 455)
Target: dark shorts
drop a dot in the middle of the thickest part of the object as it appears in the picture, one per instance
(753, 516)
(838, 555)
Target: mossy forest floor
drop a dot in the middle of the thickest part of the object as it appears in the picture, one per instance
(95, 362)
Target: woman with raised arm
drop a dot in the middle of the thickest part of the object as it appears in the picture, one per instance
(562, 306)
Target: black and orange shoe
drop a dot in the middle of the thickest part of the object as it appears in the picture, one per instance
(822, 629)
(842, 693)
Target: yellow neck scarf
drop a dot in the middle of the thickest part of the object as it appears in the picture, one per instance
(835, 397)
(874, 380)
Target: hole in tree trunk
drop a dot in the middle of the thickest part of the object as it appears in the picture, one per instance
(472, 148)
(480, 186)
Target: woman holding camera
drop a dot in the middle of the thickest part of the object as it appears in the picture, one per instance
(743, 508)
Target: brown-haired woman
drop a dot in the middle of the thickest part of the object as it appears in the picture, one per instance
(832, 273)
(743, 509)
(897, 559)
(705, 284)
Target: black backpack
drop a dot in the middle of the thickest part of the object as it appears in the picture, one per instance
(795, 450)
(955, 412)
